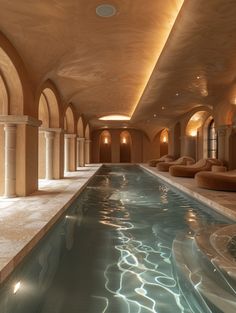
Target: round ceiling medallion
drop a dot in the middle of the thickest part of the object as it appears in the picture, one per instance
(105, 10)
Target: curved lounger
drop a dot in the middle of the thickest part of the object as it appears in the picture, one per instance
(191, 170)
(225, 181)
(164, 158)
(164, 167)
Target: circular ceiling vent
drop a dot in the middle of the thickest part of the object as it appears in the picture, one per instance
(105, 10)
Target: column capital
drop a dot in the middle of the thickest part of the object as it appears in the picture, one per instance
(80, 139)
(49, 134)
(70, 135)
(50, 129)
(20, 119)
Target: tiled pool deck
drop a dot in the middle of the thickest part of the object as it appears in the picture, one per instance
(24, 221)
(221, 201)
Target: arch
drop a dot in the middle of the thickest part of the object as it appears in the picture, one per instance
(196, 136)
(43, 113)
(125, 147)
(80, 127)
(105, 147)
(15, 80)
(164, 142)
(69, 121)
(87, 132)
(51, 95)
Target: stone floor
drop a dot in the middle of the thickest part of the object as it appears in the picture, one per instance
(24, 220)
(221, 201)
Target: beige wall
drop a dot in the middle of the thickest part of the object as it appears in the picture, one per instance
(140, 145)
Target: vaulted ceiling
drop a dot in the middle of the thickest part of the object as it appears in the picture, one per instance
(150, 60)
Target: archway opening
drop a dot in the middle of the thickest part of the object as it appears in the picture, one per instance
(164, 142)
(105, 147)
(125, 147)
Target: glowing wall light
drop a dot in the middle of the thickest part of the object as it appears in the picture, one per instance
(124, 140)
(106, 140)
(193, 133)
(164, 139)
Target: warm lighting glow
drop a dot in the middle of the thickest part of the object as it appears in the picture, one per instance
(124, 140)
(16, 287)
(164, 139)
(115, 118)
(160, 43)
(106, 140)
(193, 133)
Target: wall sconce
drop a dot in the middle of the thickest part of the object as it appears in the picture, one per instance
(164, 139)
(124, 140)
(193, 133)
(106, 140)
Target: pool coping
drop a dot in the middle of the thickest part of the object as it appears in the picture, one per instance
(52, 200)
(207, 197)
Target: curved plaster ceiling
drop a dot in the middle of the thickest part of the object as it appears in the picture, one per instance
(152, 60)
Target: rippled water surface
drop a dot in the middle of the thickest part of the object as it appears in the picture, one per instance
(112, 252)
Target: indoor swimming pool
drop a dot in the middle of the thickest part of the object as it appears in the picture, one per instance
(128, 244)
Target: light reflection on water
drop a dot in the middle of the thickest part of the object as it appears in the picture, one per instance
(112, 252)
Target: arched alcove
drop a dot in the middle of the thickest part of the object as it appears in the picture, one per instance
(80, 128)
(12, 103)
(195, 135)
(105, 147)
(164, 142)
(69, 121)
(87, 132)
(125, 147)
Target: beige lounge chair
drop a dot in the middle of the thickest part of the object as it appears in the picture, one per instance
(164, 158)
(191, 170)
(225, 181)
(164, 167)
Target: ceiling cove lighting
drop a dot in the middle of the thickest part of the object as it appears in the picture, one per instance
(115, 118)
(160, 46)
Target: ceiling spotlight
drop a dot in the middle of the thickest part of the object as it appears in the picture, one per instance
(106, 10)
(163, 108)
(177, 94)
(154, 115)
(198, 77)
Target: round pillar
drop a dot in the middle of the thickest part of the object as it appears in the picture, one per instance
(66, 153)
(81, 152)
(49, 136)
(10, 160)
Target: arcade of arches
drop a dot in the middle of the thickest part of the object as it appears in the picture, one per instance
(43, 135)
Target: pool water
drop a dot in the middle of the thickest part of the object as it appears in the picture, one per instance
(113, 252)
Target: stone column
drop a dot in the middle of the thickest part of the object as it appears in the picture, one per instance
(87, 151)
(77, 152)
(66, 152)
(221, 134)
(49, 136)
(188, 143)
(10, 161)
(81, 151)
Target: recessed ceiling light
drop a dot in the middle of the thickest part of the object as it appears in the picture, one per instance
(177, 94)
(198, 77)
(105, 10)
(154, 115)
(116, 117)
(163, 108)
